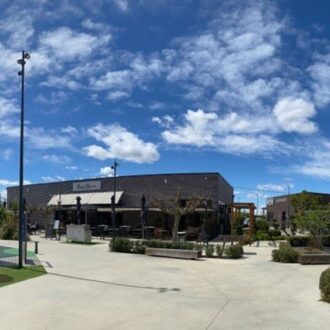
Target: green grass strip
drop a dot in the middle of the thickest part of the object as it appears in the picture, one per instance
(10, 275)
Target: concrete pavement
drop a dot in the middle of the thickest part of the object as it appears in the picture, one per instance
(88, 287)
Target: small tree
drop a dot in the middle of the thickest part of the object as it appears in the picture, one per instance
(304, 202)
(317, 222)
(175, 207)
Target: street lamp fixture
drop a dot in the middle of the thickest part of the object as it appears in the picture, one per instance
(113, 199)
(21, 62)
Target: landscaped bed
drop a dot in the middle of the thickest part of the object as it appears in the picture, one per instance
(163, 248)
(300, 254)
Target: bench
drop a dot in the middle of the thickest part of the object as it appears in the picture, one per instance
(173, 253)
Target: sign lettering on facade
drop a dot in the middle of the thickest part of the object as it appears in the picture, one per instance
(86, 186)
(280, 200)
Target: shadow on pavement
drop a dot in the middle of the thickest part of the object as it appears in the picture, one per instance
(160, 290)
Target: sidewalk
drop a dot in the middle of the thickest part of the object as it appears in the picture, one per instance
(88, 287)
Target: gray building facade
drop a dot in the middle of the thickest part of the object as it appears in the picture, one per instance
(96, 205)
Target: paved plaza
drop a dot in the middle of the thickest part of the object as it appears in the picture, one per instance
(88, 287)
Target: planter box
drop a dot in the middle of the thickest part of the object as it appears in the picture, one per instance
(78, 233)
(173, 253)
(314, 259)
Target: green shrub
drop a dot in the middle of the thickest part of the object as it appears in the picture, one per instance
(121, 245)
(285, 254)
(274, 232)
(276, 255)
(219, 249)
(8, 226)
(125, 245)
(325, 285)
(170, 245)
(262, 235)
(139, 247)
(209, 251)
(262, 225)
(234, 251)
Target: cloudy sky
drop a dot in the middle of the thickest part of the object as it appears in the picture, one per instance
(162, 86)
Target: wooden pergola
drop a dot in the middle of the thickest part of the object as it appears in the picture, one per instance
(236, 210)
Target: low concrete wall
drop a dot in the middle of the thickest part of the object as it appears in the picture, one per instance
(309, 259)
(173, 253)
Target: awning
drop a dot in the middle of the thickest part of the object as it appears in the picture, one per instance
(124, 209)
(93, 198)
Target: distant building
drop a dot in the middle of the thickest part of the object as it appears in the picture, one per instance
(279, 209)
(96, 197)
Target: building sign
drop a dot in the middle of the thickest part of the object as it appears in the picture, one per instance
(281, 200)
(86, 186)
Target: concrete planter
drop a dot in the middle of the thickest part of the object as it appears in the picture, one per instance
(78, 233)
(314, 259)
(173, 253)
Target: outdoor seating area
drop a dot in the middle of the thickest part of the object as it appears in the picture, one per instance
(106, 231)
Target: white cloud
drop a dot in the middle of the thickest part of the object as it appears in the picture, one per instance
(57, 159)
(274, 187)
(230, 134)
(55, 178)
(40, 138)
(158, 106)
(106, 171)
(165, 121)
(317, 165)
(6, 154)
(122, 4)
(19, 27)
(236, 56)
(62, 82)
(293, 115)
(121, 144)
(65, 43)
(117, 95)
(71, 167)
(5, 182)
(320, 73)
(54, 98)
(9, 129)
(8, 107)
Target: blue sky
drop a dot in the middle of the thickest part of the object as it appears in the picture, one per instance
(237, 87)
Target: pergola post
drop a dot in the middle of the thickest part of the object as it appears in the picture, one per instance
(251, 220)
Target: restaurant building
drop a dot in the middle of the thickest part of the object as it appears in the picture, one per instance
(59, 199)
(279, 208)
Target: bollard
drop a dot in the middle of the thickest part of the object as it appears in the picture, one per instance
(36, 247)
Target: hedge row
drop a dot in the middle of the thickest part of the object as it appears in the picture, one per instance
(126, 245)
(304, 240)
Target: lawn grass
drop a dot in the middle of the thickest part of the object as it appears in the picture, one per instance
(10, 275)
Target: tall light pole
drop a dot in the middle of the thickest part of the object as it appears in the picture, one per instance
(113, 199)
(21, 73)
(288, 216)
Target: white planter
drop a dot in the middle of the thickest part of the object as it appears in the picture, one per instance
(78, 233)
